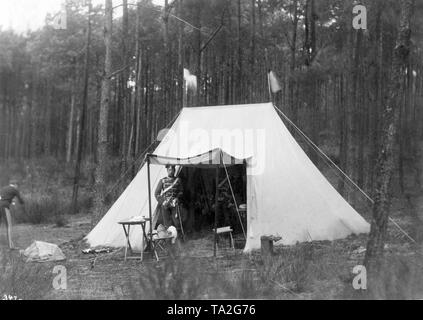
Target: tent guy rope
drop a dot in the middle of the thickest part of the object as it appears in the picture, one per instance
(340, 170)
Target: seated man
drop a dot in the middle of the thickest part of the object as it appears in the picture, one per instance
(168, 193)
(225, 203)
(228, 215)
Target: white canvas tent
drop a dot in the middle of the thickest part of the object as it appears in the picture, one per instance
(287, 196)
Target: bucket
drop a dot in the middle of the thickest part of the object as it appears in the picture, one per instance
(239, 243)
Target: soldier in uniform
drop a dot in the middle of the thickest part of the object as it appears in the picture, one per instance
(168, 193)
(225, 203)
(7, 194)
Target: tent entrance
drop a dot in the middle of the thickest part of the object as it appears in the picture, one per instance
(199, 200)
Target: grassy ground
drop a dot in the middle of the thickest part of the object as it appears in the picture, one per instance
(318, 270)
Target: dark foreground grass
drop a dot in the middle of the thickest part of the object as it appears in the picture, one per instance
(289, 274)
(20, 280)
(400, 278)
(187, 279)
(318, 270)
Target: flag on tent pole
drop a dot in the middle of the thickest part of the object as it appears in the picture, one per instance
(190, 80)
(60, 19)
(273, 82)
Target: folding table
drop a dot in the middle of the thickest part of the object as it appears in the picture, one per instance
(126, 225)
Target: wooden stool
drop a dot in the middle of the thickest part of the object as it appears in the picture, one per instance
(160, 243)
(222, 231)
(267, 245)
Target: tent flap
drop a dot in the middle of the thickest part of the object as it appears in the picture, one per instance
(211, 158)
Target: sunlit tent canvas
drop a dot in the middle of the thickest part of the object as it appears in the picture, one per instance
(287, 196)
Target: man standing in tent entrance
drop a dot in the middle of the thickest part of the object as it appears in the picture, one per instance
(168, 193)
(7, 194)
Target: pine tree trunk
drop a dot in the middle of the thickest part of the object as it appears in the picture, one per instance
(386, 160)
(379, 89)
(101, 168)
(253, 75)
(125, 94)
(312, 85)
(355, 107)
(167, 62)
(240, 98)
(138, 86)
(198, 72)
(82, 116)
(71, 118)
(344, 134)
(292, 65)
(180, 76)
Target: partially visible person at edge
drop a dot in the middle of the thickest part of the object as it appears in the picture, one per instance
(168, 193)
(7, 194)
(226, 206)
